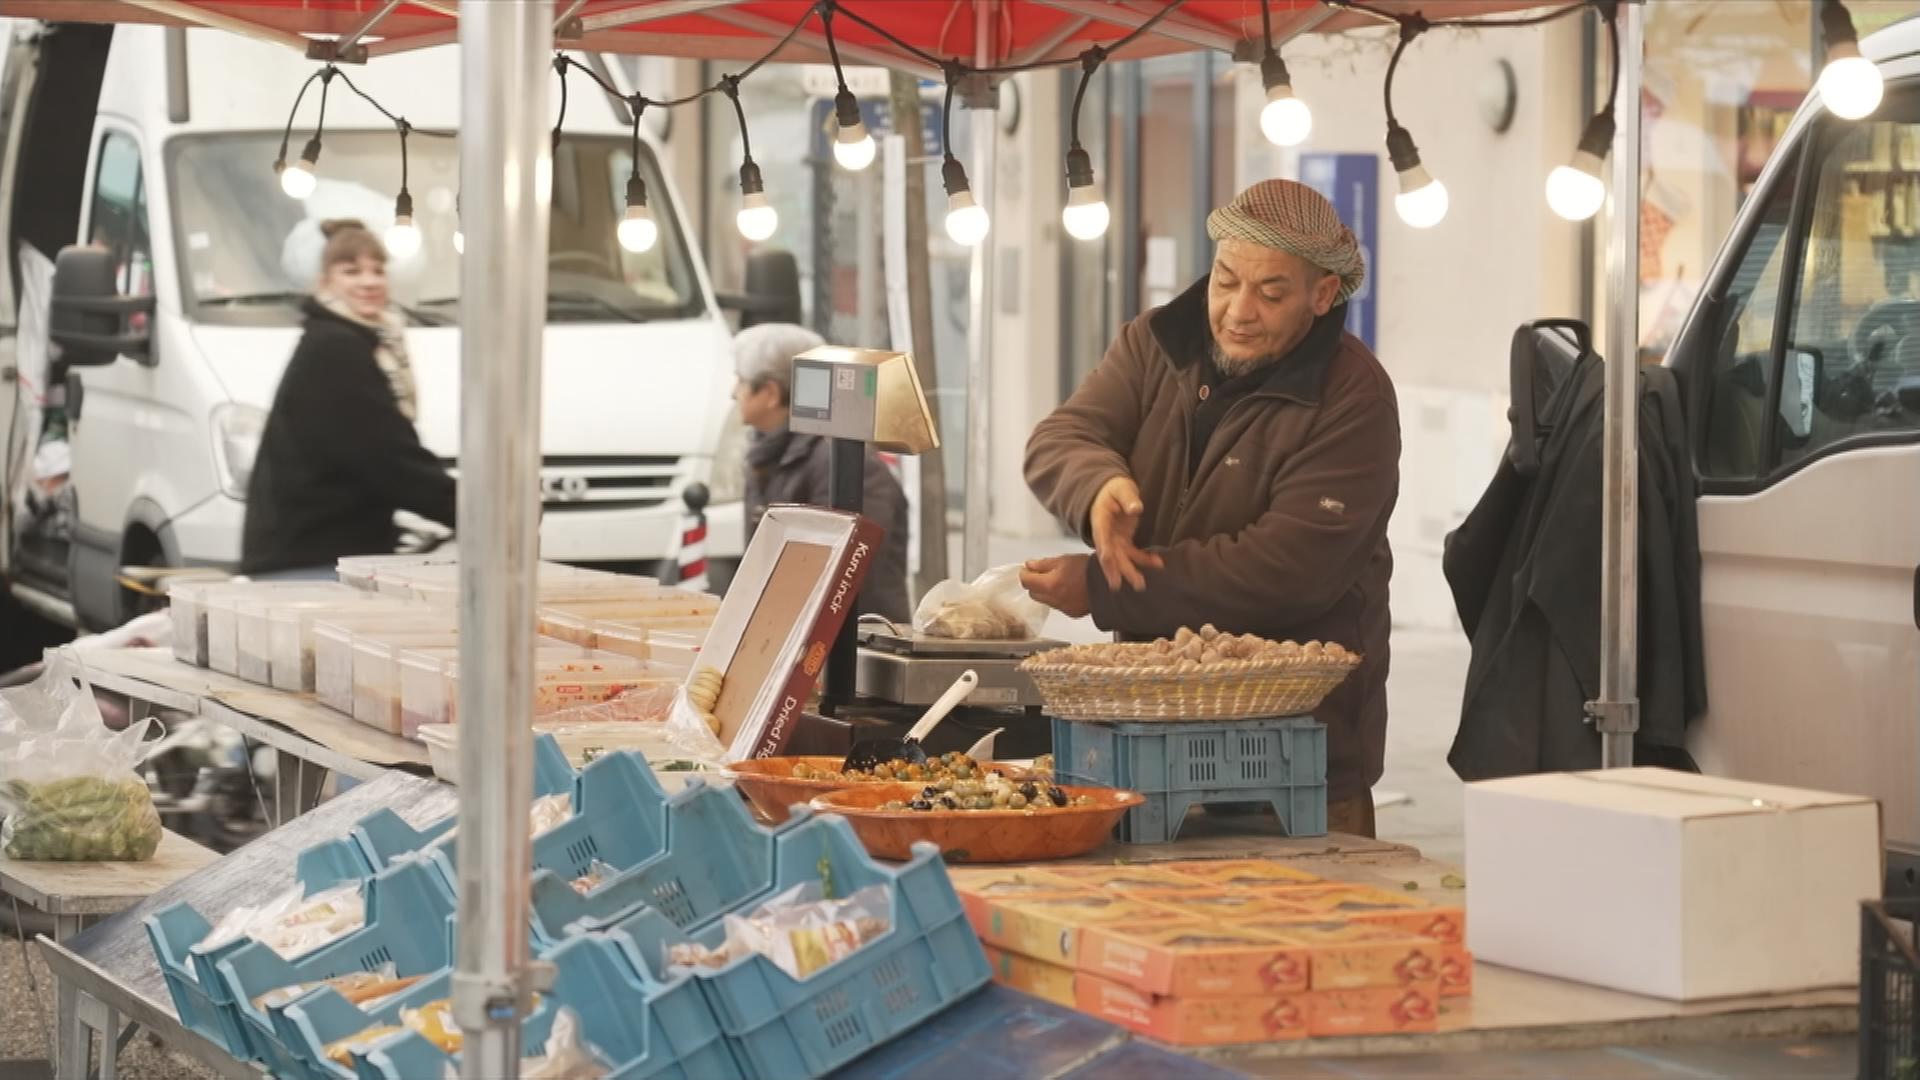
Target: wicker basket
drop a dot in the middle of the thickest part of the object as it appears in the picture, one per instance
(1234, 690)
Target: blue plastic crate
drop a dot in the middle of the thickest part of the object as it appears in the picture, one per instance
(308, 1025)
(717, 858)
(644, 1029)
(1178, 766)
(409, 917)
(787, 1027)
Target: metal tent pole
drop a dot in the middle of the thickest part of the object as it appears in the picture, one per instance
(986, 132)
(1616, 714)
(507, 174)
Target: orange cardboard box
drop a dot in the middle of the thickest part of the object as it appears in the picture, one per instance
(992, 881)
(1048, 928)
(1366, 904)
(1199, 902)
(1195, 1021)
(1456, 971)
(1241, 873)
(1048, 982)
(1156, 877)
(1378, 1010)
(1347, 956)
(1199, 959)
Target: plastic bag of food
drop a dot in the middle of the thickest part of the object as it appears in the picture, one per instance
(797, 930)
(995, 607)
(293, 924)
(434, 1021)
(566, 1055)
(341, 1051)
(70, 788)
(363, 988)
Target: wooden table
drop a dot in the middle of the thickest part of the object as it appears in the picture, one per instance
(74, 893)
(309, 740)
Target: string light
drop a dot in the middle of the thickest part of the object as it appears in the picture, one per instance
(403, 237)
(853, 147)
(638, 231)
(297, 179)
(1422, 200)
(757, 218)
(1575, 190)
(1850, 84)
(1086, 215)
(1285, 120)
(967, 221)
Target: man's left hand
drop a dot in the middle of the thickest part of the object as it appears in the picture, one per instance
(1060, 583)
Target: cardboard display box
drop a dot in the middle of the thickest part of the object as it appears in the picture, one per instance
(1049, 928)
(1366, 904)
(1346, 956)
(1375, 1010)
(1669, 884)
(1241, 873)
(796, 585)
(1199, 960)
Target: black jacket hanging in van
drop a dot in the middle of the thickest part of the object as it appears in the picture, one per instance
(1525, 573)
(337, 458)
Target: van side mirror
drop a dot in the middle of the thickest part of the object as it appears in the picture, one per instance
(772, 290)
(91, 321)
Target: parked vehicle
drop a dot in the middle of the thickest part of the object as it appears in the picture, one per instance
(142, 159)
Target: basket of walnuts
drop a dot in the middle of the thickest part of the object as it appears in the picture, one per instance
(1195, 675)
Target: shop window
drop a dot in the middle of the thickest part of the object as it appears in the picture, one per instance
(1854, 352)
(1743, 358)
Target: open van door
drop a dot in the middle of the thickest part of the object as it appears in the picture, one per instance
(17, 56)
(1802, 365)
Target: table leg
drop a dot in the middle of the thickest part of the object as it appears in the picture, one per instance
(296, 786)
(97, 1015)
(111, 1040)
(70, 1037)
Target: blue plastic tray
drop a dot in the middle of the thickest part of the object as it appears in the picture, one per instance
(1178, 766)
(787, 1027)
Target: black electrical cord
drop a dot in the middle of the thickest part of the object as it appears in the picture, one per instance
(560, 65)
(1411, 26)
(1610, 13)
(287, 135)
(381, 109)
(1090, 62)
(405, 130)
(954, 71)
(833, 49)
(1467, 22)
(730, 86)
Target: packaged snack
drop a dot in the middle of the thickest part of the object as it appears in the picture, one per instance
(1344, 956)
(1366, 904)
(359, 987)
(341, 1051)
(294, 925)
(1195, 960)
(1241, 873)
(1144, 877)
(566, 1055)
(596, 876)
(797, 930)
(1376, 1010)
(434, 1021)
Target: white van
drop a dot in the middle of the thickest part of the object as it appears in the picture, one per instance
(1801, 362)
(158, 146)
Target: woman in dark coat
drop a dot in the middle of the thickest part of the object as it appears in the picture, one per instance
(340, 453)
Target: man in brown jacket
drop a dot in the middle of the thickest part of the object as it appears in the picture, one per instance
(1233, 460)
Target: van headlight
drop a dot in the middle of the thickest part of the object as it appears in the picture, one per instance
(728, 481)
(236, 441)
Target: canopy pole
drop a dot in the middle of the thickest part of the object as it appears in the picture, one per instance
(507, 174)
(1616, 715)
(986, 132)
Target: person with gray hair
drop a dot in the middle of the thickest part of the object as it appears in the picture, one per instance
(785, 467)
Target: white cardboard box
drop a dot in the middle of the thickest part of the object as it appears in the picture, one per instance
(1669, 884)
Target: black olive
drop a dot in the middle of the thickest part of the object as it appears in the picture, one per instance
(1059, 797)
(930, 792)
(919, 804)
(1029, 790)
(947, 802)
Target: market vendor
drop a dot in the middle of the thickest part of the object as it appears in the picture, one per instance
(784, 466)
(1233, 460)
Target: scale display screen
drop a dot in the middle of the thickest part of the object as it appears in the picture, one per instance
(813, 389)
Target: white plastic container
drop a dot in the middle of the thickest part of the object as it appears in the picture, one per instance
(376, 673)
(290, 632)
(582, 743)
(334, 639)
(187, 607)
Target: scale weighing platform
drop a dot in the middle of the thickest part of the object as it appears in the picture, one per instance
(909, 669)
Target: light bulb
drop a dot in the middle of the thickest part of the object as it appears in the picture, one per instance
(1086, 215)
(1575, 192)
(403, 239)
(1285, 120)
(857, 153)
(459, 242)
(1850, 85)
(1422, 201)
(757, 219)
(297, 180)
(967, 220)
(638, 231)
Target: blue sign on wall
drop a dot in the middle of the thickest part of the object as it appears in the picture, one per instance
(1351, 182)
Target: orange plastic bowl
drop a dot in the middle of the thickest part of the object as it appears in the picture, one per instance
(978, 836)
(769, 783)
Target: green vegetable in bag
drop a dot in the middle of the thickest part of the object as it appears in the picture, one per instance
(80, 818)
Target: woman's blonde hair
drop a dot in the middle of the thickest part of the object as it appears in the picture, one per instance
(348, 239)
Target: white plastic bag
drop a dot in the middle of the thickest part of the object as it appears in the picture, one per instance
(799, 930)
(566, 1055)
(995, 607)
(70, 788)
(293, 924)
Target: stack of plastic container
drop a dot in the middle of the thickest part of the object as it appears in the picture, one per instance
(667, 870)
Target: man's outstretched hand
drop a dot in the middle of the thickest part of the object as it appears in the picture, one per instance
(1116, 520)
(1059, 582)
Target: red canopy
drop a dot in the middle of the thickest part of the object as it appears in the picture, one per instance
(1023, 30)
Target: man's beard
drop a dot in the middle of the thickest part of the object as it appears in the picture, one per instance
(1232, 368)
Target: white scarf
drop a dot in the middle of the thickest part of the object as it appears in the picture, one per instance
(390, 352)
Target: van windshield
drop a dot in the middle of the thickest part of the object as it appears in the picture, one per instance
(249, 253)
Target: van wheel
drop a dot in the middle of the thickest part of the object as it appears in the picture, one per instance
(140, 548)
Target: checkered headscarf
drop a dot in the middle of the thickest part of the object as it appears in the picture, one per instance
(1292, 217)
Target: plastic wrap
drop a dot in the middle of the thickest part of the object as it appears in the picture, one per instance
(70, 788)
(566, 1056)
(994, 607)
(293, 924)
(799, 930)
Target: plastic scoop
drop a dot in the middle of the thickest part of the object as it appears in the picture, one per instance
(870, 752)
(982, 750)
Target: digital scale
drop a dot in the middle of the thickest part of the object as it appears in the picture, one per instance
(879, 675)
